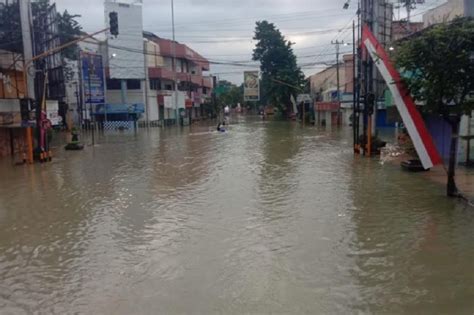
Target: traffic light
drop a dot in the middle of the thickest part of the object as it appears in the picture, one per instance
(370, 103)
(113, 20)
(25, 109)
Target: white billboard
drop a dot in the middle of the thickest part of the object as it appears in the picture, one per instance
(251, 86)
(126, 58)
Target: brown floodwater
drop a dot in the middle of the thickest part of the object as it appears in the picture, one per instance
(266, 218)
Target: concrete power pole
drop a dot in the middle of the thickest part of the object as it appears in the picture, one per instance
(408, 4)
(338, 43)
(175, 68)
(25, 7)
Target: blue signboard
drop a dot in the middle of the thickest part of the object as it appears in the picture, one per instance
(93, 78)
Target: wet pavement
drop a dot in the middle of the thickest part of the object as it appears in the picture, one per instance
(266, 218)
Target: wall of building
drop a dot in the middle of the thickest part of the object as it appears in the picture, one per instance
(129, 64)
(153, 55)
(19, 143)
(401, 29)
(11, 84)
(151, 109)
(133, 96)
(168, 64)
(327, 79)
(348, 73)
(466, 129)
(444, 13)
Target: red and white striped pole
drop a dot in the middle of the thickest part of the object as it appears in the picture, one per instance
(412, 119)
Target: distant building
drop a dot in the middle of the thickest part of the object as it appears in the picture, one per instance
(324, 83)
(324, 90)
(401, 29)
(13, 116)
(444, 13)
(78, 112)
(11, 90)
(140, 71)
(190, 76)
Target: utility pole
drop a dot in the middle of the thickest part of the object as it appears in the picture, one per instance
(25, 7)
(408, 7)
(29, 80)
(89, 86)
(173, 51)
(411, 5)
(146, 82)
(356, 74)
(354, 80)
(214, 95)
(359, 75)
(338, 43)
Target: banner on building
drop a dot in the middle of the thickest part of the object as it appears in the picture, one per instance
(412, 119)
(93, 78)
(251, 86)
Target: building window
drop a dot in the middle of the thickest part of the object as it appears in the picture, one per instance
(204, 90)
(113, 84)
(155, 84)
(168, 87)
(133, 84)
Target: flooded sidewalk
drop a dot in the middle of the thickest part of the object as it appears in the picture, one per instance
(464, 179)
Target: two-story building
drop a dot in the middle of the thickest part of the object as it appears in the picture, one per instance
(193, 84)
(327, 94)
(12, 135)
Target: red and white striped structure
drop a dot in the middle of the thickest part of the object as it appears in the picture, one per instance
(412, 119)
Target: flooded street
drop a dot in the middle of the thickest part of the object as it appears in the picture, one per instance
(267, 218)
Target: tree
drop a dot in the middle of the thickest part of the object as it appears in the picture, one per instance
(440, 67)
(281, 76)
(68, 27)
(69, 30)
(231, 94)
(10, 27)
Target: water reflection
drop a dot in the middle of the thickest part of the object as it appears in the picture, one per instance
(407, 244)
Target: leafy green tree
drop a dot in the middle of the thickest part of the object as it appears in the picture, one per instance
(440, 64)
(68, 27)
(231, 94)
(69, 30)
(281, 76)
(10, 28)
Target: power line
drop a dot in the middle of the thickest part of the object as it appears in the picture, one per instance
(292, 15)
(222, 39)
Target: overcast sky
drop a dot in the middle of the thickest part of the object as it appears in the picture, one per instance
(222, 30)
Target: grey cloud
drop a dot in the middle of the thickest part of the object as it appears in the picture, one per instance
(203, 23)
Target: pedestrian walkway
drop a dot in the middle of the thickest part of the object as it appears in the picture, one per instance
(464, 178)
